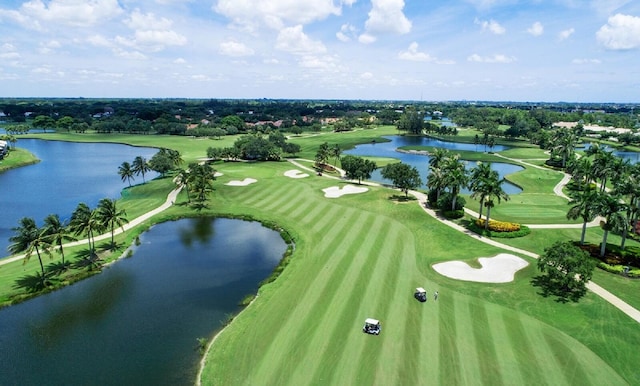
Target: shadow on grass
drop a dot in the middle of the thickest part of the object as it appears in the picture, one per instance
(562, 292)
(58, 268)
(88, 259)
(33, 283)
(401, 198)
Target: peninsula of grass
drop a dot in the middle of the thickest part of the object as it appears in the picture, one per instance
(16, 158)
(361, 256)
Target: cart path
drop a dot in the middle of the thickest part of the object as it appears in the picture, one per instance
(171, 198)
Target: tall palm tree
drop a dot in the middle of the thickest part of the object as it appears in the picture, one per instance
(126, 172)
(456, 177)
(57, 231)
(583, 205)
(627, 185)
(436, 180)
(563, 144)
(182, 180)
(494, 193)
(437, 157)
(140, 166)
(109, 216)
(84, 221)
(28, 238)
(479, 180)
(610, 207)
(335, 152)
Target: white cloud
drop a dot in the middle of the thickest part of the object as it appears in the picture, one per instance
(319, 63)
(150, 33)
(180, 61)
(563, 35)
(346, 33)
(49, 47)
(386, 16)
(366, 76)
(622, 32)
(274, 14)
(492, 26)
(9, 55)
(99, 41)
(536, 29)
(235, 49)
(414, 55)
(140, 21)
(586, 61)
(294, 40)
(497, 58)
(365, 38)
(70, 12)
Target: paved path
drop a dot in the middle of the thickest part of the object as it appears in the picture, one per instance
(171, 198)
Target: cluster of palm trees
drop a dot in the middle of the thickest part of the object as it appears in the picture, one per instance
(139, 166)
(447, 173)
(29, 238)
(197, 180)
(608, 186)
(326, 152)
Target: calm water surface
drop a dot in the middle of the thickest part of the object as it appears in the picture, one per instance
(69, 173)
(421, 162)
(137, 323)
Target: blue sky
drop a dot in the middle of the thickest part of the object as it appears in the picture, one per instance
(432, 50)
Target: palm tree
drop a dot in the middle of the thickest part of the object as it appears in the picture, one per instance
(335, 152)
(175, 157)
(493, 190)
(140, 166)
(109, 216)
(183, 180)
(627, 185)
(563, 145)
(126, 172)
(583, 205)
(436, 159)
(201, 179)
(610, 207)
(28, 238)
(456, 177)
(481, 176)
(84, 221)
(436, 180)
(57, 231)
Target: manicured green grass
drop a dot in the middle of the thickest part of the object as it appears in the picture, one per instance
(16, 158)
(361, 256)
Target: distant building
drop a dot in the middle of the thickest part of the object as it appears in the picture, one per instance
(4, 148)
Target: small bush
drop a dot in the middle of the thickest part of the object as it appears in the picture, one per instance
(444, 203)
(453, 214)
(523, 231)
(498, 226)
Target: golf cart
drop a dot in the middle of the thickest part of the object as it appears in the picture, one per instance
(371, 326)
(420, 294)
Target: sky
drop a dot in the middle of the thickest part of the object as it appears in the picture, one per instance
(430, 50)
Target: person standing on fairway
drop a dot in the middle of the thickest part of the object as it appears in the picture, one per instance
(435, 295)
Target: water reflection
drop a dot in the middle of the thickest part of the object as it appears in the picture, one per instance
(138, 321)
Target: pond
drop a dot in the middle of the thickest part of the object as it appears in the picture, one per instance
(421, 162)
(632, 156)
(69, 173)
(137, 323)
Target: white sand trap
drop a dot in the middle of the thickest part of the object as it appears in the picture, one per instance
(218, 174)
(335, 191)
(245, 182)
(295, 173)
(498, 269)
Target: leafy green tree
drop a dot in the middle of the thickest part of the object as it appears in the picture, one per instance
(28, 238)
(566, 270)
(404, 177)
(357, 168)
(126, 172)
(161, 162)
(411, 121)
(233, 121)
(65, 123)
(291, 148)
(140, 166)
(57, 232)
(109, 216)
(43, 122)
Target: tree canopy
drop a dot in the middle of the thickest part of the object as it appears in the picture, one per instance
(566, 270)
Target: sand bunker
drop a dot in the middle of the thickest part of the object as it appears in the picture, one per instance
(295, 173)
(335, 192)
(218, 174)
(245, 182)
(498, 269)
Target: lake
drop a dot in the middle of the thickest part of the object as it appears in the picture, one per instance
(421, 162)
(69, 173)
(137, 323)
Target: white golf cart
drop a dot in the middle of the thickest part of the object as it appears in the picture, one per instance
(371, 326)
(420, 294)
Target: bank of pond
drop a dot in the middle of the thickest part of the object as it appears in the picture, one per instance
(139, 321)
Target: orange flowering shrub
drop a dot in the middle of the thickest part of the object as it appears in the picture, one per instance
(498, 226)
